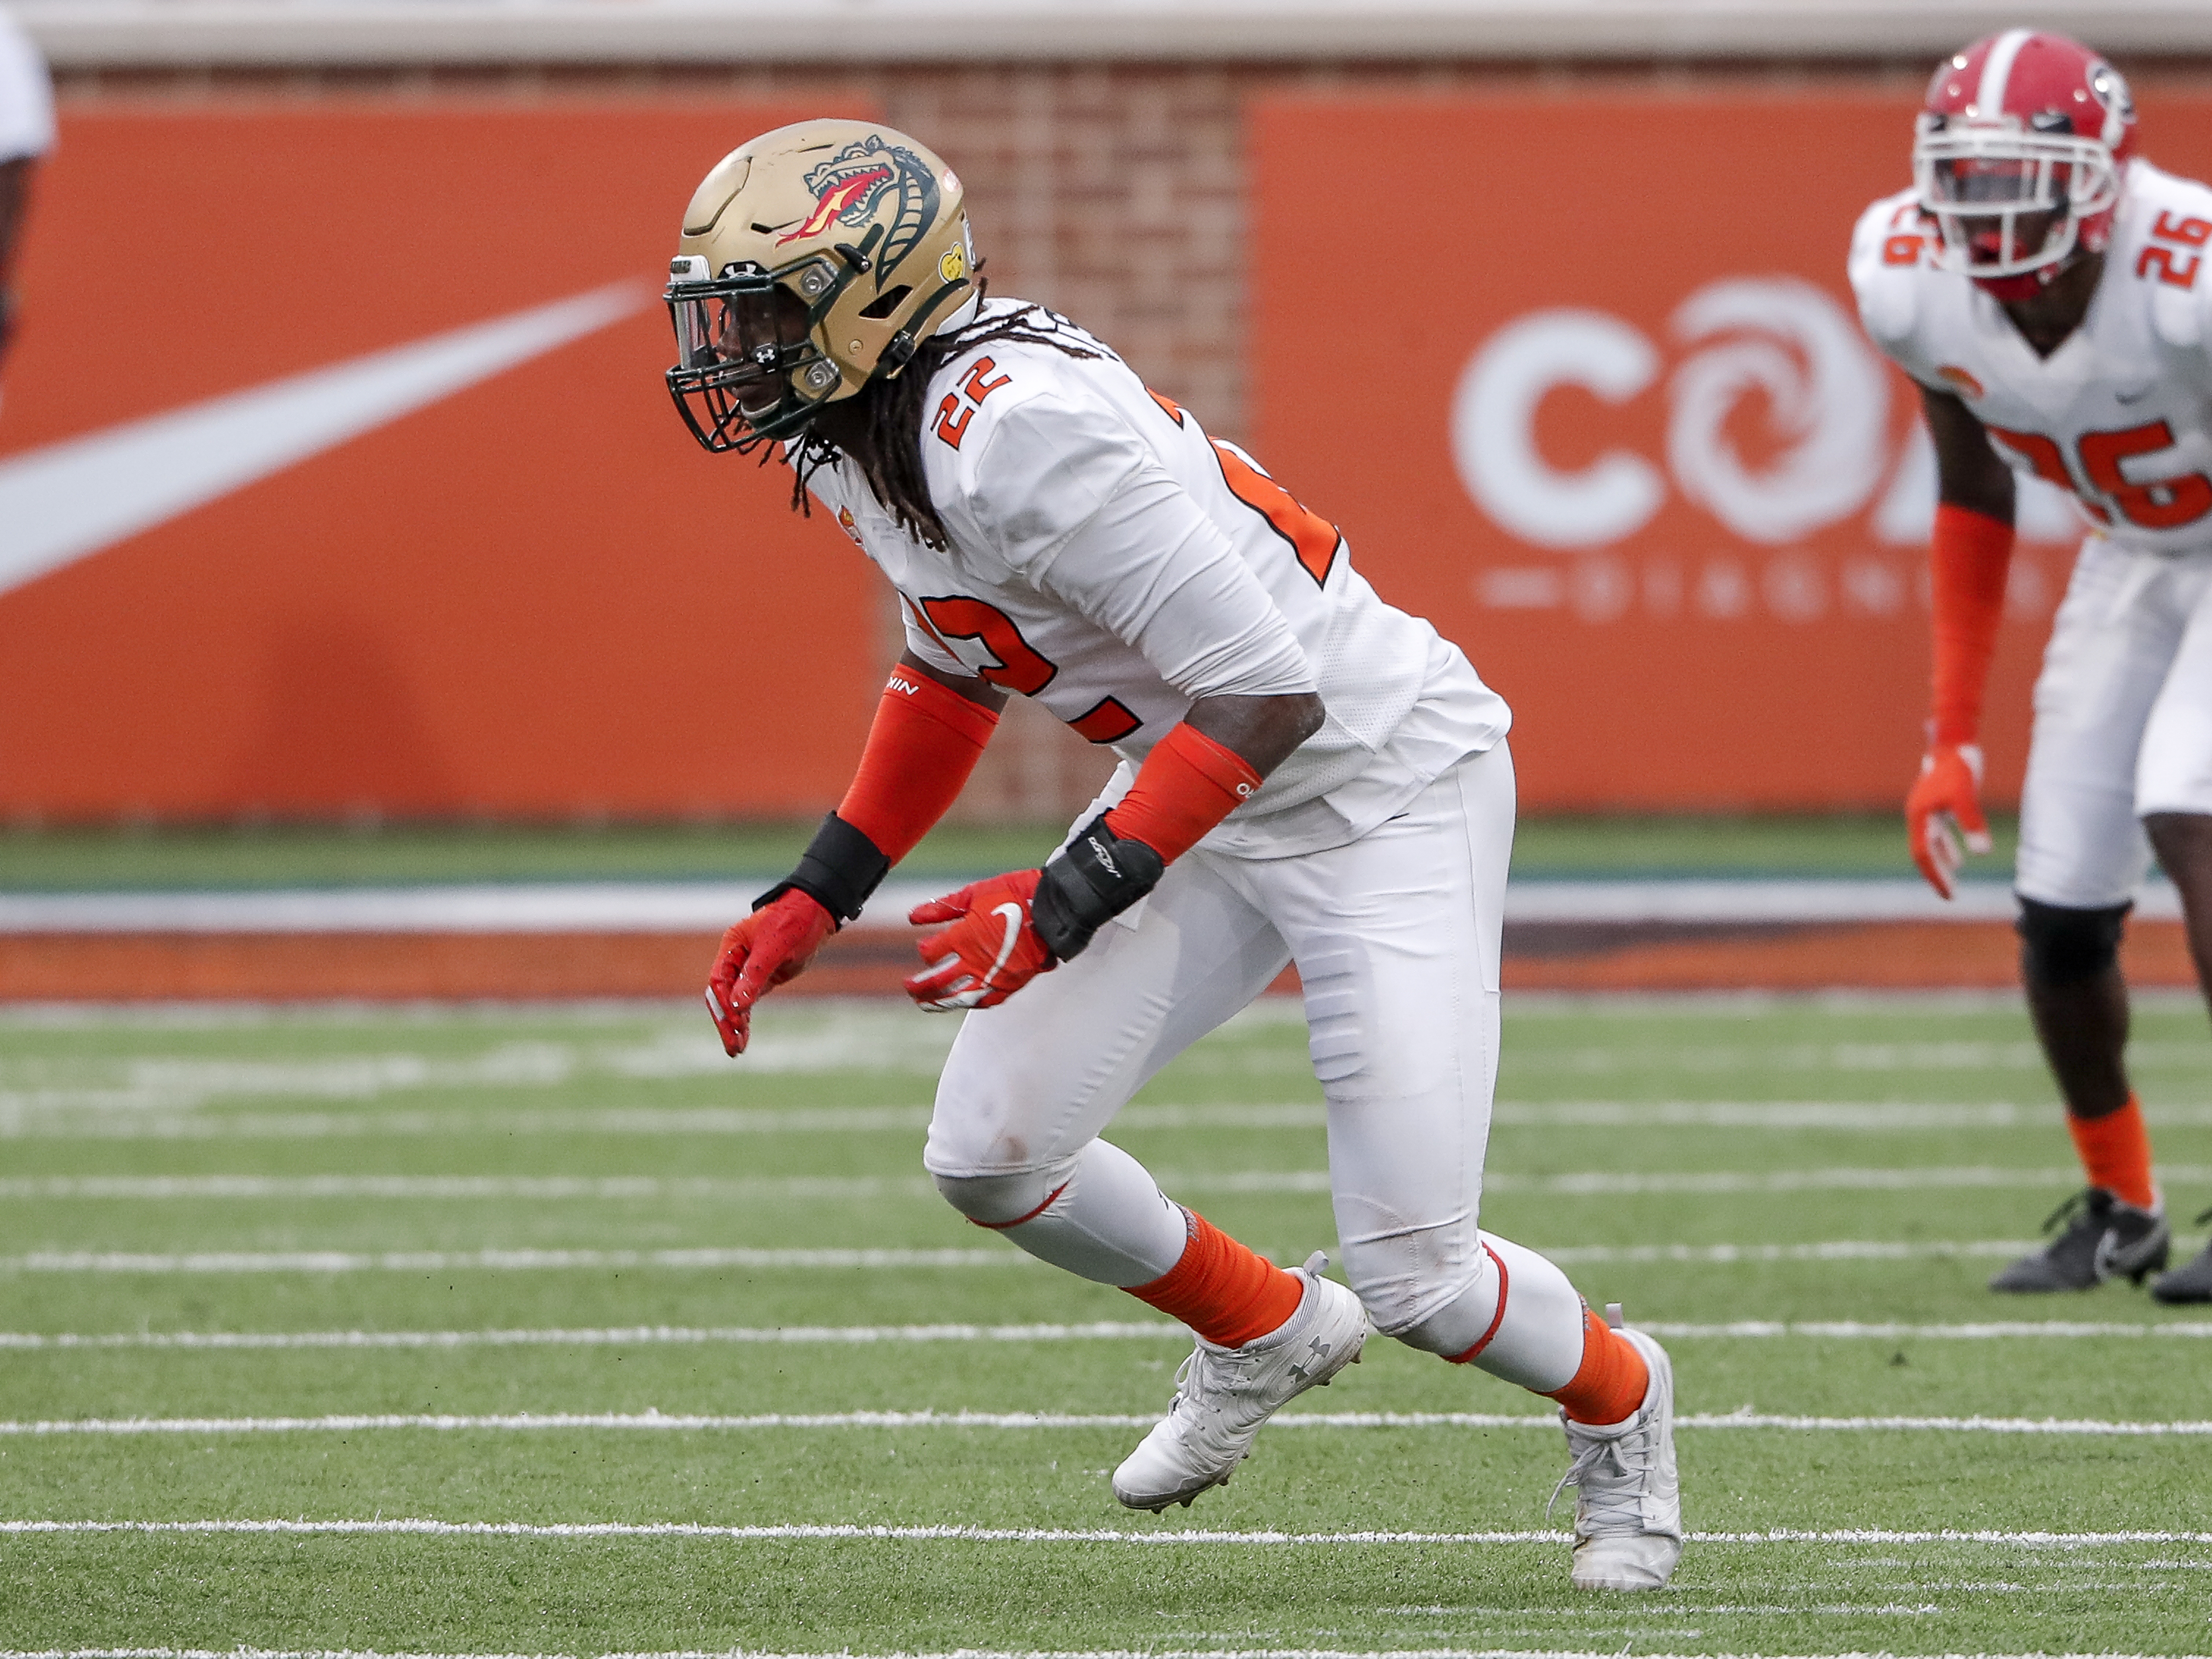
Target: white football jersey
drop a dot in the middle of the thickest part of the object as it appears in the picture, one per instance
(2120, 414)
(27, 100)
(1108, 560)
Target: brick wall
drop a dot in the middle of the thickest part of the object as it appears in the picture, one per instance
(1115, 193)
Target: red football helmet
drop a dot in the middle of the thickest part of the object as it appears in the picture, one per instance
(2018, 157)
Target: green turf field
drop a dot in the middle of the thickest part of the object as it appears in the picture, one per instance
(275, 855)
(436, 1271)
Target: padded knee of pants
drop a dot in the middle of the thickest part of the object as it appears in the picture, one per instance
(2060, 945)
(1401, 1280)
(1520, 1320)
(1001, 1200)
(1458, 1325)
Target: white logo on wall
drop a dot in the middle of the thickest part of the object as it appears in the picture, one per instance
(1825, 395)
(71, 500)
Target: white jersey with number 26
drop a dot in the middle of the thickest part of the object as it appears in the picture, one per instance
(2120, 414)
(1108, 560)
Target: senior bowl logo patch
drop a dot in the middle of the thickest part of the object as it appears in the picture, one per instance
(851, 186)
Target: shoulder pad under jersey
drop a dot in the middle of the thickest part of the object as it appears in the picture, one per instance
(1022, 447)
(1890, 252)
(2160, 211)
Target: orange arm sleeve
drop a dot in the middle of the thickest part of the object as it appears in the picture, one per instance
(1968, 561)
(925, 743)
(1187, 785)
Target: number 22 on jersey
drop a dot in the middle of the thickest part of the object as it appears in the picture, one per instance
(957, 408)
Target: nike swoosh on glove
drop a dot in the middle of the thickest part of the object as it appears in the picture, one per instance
(1945, 807)
(989, 953)
(768, 947)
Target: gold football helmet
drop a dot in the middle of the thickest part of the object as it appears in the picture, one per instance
(813, 260)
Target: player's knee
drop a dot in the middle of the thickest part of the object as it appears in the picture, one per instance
(1003, 1200)
(1404, 1282)
(2060, 945)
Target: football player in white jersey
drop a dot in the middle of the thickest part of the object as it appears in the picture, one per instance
(27, 133)
(2045, 287)
(1307, 775)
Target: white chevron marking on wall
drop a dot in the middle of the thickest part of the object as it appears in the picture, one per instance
(70, 499)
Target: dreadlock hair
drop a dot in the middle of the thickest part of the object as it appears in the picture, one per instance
(892, 408)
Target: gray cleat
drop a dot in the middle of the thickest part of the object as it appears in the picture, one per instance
(2103, 1238)
(2192, 1281)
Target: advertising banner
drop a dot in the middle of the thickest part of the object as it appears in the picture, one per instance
(338, 475)
(1582, 380)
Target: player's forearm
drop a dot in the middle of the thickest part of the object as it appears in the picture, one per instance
(930, 730)
(15, 199)
(1264, 731)
(980, 692)
(1968, 474)
(1969, 557)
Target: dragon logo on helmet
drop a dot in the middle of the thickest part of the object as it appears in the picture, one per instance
(850, 186)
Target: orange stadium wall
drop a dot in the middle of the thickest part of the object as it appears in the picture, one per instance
(1574, 367)
(1598, 403)
(531, 594)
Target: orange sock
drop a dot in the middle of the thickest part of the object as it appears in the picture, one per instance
(2115, 1150)
(1611, 1383)
(1227, 1293)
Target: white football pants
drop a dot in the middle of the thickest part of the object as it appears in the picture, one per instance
(2123, 723)
(1396, 939)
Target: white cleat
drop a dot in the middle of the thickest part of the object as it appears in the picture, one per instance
(1224, 1395)
(1628, 1503)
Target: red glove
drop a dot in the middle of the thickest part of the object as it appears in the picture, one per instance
(989, 953)
(1946, 801)
(769, 946)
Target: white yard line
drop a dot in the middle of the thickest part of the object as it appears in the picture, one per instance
(962, 1535)
(1854, 1330)
(1002, 1653)
(52, 1113)
(22, 1118)
(624, 1337)
(1844, 1249)
(1937, 1005)
(706, 907)
(632, 1336)
(473, 1189)
(494, 1260)
(534, 1422)
(341, 1261)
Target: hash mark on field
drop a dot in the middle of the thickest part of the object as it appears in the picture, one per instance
(534, 1422)
(1102, 1330)
(964, 1535)
(478, 1188)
